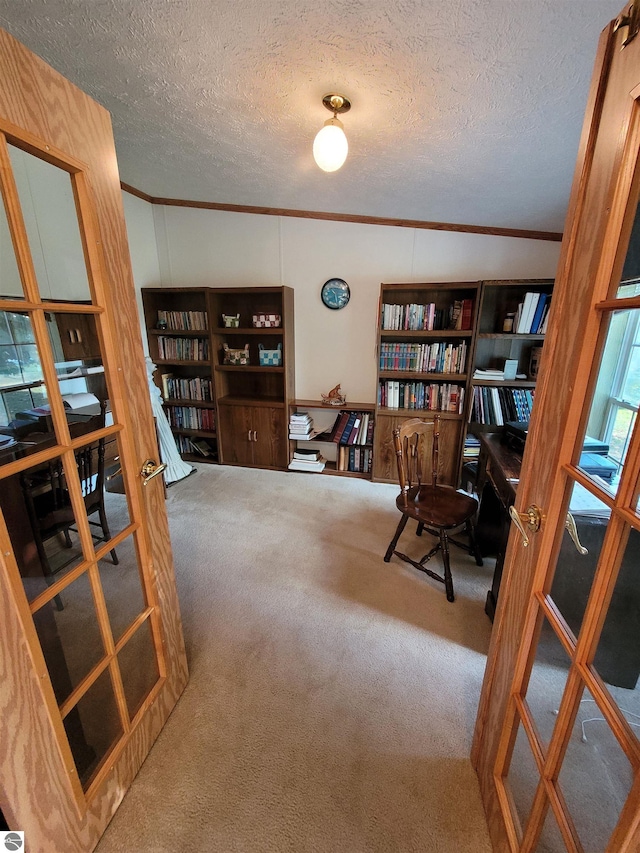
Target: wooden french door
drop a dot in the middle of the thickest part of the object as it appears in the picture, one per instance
(92, 657)
(556, 745)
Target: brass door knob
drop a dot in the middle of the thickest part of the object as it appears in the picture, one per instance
(532, 518)
(150, 470)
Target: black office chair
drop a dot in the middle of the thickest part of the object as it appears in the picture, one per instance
(49, 504)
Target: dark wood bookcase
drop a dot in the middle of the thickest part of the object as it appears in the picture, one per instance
(328, 414)
(436, 382)
(245, 420)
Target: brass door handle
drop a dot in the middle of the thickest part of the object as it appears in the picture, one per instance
(532, 518)
(150, 470)
(570, 524)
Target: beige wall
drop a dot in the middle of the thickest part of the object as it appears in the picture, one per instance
(221, 249)
(138, 216)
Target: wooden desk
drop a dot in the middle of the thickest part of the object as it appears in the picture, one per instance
(496, 483)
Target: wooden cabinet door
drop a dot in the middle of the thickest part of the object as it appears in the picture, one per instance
(74, 737)
(557, 746)
(235, 434)
(269, 437)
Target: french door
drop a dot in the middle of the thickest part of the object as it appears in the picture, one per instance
(91, 651)
(556, 745)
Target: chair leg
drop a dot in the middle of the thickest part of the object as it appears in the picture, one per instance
(471, 531)
(448, 580)
(420, 529)
(401, 526)
(106, 532)
(67, 539)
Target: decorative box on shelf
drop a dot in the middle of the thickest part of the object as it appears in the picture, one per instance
(266, 321)
(231, 321)
(270, 357)
(236, 357)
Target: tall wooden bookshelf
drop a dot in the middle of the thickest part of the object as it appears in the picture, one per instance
(180, 344)
(426, 338)
(505, 399)
(234, 413)
(253, 400)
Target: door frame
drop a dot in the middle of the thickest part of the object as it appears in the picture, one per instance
(44, 111)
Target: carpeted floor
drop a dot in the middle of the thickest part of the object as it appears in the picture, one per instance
(332, 696)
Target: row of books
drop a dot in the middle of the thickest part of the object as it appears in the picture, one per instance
(192, 417)
(434, 397)
(183, 349)
(196, 446)
(414, 317)
(439, 357)
(183, 320)
(354, 458)
(499, 405)
(352, 428)
(186, 388)
(531, 317)
(471, 447)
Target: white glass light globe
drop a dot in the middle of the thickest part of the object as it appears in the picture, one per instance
(330, 147)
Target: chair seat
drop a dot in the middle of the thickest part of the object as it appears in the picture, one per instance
(437, 506)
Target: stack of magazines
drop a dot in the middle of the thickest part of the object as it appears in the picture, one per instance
(307, 459)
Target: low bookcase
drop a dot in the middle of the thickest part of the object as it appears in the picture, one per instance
(338, 456)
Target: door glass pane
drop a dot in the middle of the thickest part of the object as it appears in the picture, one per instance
(49, 212)
(547, 681)
(21, 378)
(76, 352)
(523, 776)
(615, 402)
(10, 284)
(596, 776)
(617, 657)
(138, 667)
(551, 840)
(574, 573)
(93, 727)
(41, 522)
(69, 636)
(122, 587)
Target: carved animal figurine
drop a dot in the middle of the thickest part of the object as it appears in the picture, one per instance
(334, 397)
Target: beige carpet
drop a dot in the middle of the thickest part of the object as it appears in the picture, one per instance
(332, 696)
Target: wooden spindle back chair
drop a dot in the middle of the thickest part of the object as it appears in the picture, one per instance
(438, 509)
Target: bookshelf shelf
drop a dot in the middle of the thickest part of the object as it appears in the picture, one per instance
(504, 336)
(251, 331)
(182, 333)
(432, 334)
(198, 362)
(203, 404)
(246, 368)
(414, 376)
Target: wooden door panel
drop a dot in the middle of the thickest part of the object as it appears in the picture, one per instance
(270, 444)
(44, 114)
(601, 212)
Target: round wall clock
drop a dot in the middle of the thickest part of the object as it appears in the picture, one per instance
(335, 293)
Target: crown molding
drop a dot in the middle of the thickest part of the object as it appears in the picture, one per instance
(519, 233)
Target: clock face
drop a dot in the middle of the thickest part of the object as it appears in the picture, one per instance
(335, 293)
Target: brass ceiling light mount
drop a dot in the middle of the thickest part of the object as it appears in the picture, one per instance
(330, 147)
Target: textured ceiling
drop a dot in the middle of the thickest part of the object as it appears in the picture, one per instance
(465, 111)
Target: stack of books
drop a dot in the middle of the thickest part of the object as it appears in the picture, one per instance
(301, 427)
(307, 459)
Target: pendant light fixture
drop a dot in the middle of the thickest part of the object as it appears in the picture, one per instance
(330, 147)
